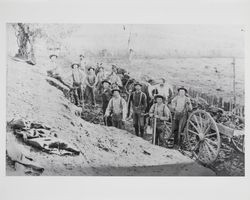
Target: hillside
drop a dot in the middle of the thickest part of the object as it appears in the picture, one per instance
(104, 151)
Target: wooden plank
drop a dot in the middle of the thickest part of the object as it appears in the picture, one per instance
(224, 130)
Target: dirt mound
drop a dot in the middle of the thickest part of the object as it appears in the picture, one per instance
(103, 150)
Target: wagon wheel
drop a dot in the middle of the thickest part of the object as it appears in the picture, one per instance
(239, 143)
(166, 132)
(203, 136)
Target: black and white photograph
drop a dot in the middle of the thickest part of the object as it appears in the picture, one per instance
(125, 99)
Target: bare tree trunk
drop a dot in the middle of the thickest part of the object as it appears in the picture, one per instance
(25, 43)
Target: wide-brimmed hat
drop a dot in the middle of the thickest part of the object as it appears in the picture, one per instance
(52, 55)
(75, 64)
(159, 96)
(115, 89)
(137, 83)
(91, 68)
(182, 88)
(106, 81)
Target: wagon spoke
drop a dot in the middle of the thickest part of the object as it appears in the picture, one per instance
(211, 148)
(201, 122)
(210, 156)
(207, 129)
(195, 155)
(189, 130)
(196, 146)
(211, 142)
(210, 135)
(198, 125)
(194, 126)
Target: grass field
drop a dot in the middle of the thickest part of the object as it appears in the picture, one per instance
(213, 76)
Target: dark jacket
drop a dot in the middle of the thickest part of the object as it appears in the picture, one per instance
(139, 101)
(106, 96)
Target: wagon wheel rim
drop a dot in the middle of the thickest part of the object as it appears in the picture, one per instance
(203, 136)
(239, 143)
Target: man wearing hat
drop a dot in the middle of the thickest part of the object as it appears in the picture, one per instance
(78, 79)
(106, 96)
(181, 105)
(139, 105)
(160, 111)
(91, 81)
(114, 78)
(53, 64)
(55, 71)
(117, 109)
(164, 89)
(101, 75)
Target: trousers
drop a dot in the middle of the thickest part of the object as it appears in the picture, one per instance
(178, 125)
(117, 121)
(89, 95)
(138, 120)
(77, 93)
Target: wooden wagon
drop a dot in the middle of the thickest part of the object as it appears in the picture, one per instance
(203, 136)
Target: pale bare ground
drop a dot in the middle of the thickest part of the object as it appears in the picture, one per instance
(104, 151)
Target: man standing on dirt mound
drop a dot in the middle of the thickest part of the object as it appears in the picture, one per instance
(181, 105)
(55, 71)
(161, 113)
(91, 81)
(117, 108)
(139, 105)
(78, 78)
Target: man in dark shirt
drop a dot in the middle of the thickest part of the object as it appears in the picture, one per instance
(106, 96)
(139, 104)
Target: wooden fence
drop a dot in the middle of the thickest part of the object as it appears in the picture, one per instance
(217, 101)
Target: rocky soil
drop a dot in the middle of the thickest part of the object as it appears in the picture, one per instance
(103, 150)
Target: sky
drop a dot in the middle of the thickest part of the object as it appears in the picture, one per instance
(193, 40)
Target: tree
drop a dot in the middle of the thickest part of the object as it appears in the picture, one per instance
(26, 35)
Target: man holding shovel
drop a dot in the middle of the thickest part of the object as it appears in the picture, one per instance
(139, 105)
(160, 113)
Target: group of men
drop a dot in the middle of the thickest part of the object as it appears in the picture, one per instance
(85, 81)
(115, 108)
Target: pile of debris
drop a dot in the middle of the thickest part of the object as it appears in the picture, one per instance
(219, 115)
(92, 114)
(41, 137)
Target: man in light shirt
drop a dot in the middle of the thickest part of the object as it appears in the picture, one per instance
(114, 78)
(55, 71)
(160, 111)
(78, 79)
(181, 105)
(117, 108)
(164, 89)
